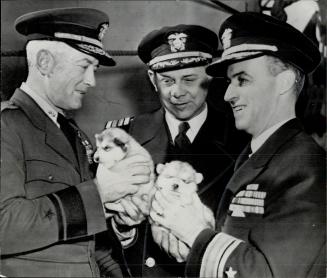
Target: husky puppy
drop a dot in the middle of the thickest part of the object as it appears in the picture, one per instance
(114, 144)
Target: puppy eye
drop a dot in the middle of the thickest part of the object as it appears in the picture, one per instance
(107, 148)
(175, 186)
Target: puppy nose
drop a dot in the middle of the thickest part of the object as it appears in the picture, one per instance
(96, 158)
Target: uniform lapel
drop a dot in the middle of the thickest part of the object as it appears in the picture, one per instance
(214, 127)
(212, 137)
(54, 138)
(59, 143)
(150, 131)
(147, 126)
(259, 160)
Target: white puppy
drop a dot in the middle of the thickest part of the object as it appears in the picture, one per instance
(113, 145)
(179, 181)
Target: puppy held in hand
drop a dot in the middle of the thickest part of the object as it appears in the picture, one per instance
(113, 145)
(179, 181)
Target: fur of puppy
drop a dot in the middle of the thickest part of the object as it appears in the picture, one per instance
(180, 181)
(113, 145)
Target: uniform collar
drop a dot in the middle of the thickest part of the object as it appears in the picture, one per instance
(257, 142)
(47, 108)
(195, 123)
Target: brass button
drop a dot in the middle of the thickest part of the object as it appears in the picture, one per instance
(150, 262)
(50, 177)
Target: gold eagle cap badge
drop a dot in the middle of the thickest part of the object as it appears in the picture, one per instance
(102, 30)
(226, 38)
(177, 41)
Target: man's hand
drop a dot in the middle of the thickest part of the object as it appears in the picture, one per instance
(185, 221)
(127, 212)
(169, 243)
(123, 178)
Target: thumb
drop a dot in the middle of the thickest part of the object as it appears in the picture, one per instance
(133, 188)
(114, 206)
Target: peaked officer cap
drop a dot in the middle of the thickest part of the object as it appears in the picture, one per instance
(248, 34)
(80, 28)
(175, 47)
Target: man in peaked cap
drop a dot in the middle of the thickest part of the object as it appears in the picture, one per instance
(271, 221)
(52, 213)
(177, 57)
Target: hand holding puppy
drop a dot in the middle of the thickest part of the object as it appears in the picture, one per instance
(176, 190)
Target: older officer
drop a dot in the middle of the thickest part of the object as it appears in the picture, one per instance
(271, 221)
(186, 127)
(51, 206)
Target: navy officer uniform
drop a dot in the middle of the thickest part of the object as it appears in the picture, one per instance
(212, 150)
(50, 209)
(272, 217)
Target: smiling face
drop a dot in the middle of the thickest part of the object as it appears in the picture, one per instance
(72, 75)
(182, 92)
(253, 95)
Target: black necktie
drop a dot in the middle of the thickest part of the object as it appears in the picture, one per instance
(66, 125)
(244, 156)
(181, 140)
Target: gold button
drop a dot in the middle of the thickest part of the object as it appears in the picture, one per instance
(150, 262)
(50, 177)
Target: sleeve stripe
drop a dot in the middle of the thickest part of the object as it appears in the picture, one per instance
(64, 220)
(224, 258)
(120, 122)
(55, 202)
(108, 125)
(126, 120)
(74, 212)
(214, 253)
(220, 255)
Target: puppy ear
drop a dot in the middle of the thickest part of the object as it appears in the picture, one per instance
(159, 168)
(124, 137)
(198, 178)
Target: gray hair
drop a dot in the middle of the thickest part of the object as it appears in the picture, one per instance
(276, 66)
(34, 46)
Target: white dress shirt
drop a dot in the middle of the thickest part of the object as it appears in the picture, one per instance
(257, 142)
(195, 124)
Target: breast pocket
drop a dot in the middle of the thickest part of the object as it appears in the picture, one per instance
(44, 177)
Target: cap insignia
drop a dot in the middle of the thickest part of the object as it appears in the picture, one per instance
(226, 38)
(102, 30)
(177, 42)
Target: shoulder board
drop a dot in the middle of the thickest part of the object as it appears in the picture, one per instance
(119, 123)
(8, 105)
